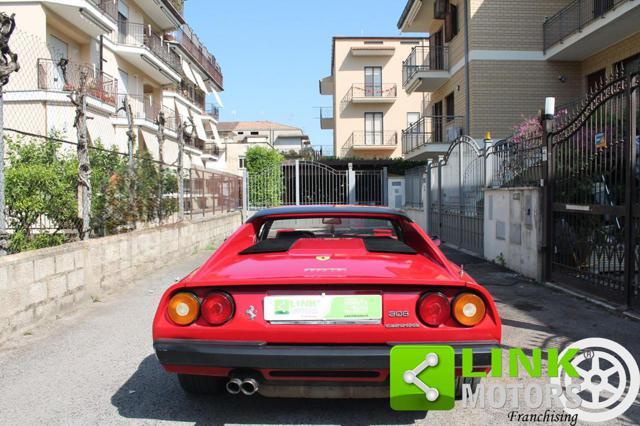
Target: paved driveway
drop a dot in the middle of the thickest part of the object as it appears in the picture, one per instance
(97, 365)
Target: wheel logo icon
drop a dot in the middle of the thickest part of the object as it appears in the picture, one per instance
(606, 371)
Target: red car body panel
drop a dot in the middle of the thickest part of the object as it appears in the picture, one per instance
(346, 268)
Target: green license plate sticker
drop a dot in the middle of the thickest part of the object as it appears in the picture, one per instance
(324, 308)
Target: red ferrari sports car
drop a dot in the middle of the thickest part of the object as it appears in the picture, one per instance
(308, 302)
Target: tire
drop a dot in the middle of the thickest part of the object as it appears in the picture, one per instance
(473, 381)
(201, 385)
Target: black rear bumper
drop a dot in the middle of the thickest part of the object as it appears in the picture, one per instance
(180, 352)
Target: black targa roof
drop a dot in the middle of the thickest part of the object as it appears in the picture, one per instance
(325, 209)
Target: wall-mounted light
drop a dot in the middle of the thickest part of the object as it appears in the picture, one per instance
(562, 78)
(549, 107)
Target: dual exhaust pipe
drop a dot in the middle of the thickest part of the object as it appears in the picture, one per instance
(246, 386)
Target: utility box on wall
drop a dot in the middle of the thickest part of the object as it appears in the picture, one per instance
(513, 229)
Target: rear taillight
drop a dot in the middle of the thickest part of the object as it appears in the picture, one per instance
(468, 309)
(183, 308)
(217, 308)
(433, 309)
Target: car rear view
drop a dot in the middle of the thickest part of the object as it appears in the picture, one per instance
(309, 301)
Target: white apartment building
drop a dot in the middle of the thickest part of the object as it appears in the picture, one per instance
(239, 136)
(138, 50)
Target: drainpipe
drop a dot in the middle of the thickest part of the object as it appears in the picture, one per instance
(466, 68)
(100, 67)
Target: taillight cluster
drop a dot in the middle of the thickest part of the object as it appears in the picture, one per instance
(467, 309)
(215, 308)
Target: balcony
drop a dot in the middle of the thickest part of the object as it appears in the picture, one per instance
(425, 69)
(361, 93)
(190, 43)
(189, 91)
(92, 17)
(65, 77)
(371, 141)
(431, 135)
(326, 118)
(587, 26)
(140, 45)
(144, 107)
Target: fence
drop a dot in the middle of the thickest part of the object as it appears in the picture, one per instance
(301, 182)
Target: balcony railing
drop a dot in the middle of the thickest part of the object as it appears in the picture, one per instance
(362, 90)
(213, 111)
(361, 139)
(573, 18)
(189, 91)
(65, 77)
(425, 58)
(178, 5)
(108, 7)
(133, 34)
(190, 42)
(147, 108)
(432, 129)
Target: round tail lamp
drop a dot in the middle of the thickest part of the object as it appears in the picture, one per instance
(217, 308)
(433, 309)
(183, 308)
(468, 309)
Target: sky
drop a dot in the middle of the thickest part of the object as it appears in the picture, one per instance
(274, 52)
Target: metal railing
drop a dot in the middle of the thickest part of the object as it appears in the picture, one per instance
(146, 107)
(189, 91)
(109, 7)
(370, 139)
(213, 111)
(64, 76)
(362, 90)
(190, 43)
(425, 58)
(134, 34)
(177, 5)
(573, 18)
(432, 129)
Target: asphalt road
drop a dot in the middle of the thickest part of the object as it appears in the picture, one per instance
(96, 366)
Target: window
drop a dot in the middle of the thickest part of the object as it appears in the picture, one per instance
(123, 17)
(241, 133)
(329, 227)
(600, 7)
(373, 128)
(241, 161)
(630, 64)
(373, 81)
(436, 51)
(451, 106)
(595, 78)
(123, 82)
(451, 22)
(412, 117)
(437, 122)
(254, 133)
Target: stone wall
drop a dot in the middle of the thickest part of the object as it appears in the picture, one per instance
(40, 284)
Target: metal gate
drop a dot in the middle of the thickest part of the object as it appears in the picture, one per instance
(456, 195)
(593, 205)
(299, 182)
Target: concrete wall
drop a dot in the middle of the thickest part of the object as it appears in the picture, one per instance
(513, 229)
(37, 285)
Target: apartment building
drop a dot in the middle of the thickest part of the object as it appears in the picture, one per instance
(491, 62)
(138, 52)
(370, 109)
(239, 136)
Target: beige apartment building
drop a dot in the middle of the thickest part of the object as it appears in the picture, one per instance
(239, 136)
(141, 51)
(370, 109)
(489, 63)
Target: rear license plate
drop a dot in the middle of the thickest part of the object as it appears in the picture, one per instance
(324, 309)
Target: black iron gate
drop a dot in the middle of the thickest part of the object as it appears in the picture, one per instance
(593, 198)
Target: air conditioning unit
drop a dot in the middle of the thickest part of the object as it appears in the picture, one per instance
(453, 133)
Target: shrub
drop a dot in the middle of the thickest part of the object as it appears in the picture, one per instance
(265, 176)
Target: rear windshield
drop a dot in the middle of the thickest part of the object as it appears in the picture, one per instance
(329, 227)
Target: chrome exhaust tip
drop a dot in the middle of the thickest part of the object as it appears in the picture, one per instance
(234, 386)
(249, 386)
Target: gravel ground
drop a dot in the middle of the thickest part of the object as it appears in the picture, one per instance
(96, 366)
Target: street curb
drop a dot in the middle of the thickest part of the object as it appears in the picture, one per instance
(612, 308)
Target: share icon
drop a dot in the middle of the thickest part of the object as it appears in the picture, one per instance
(411, 376)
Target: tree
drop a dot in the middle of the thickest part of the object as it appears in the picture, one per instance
(265, 176)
